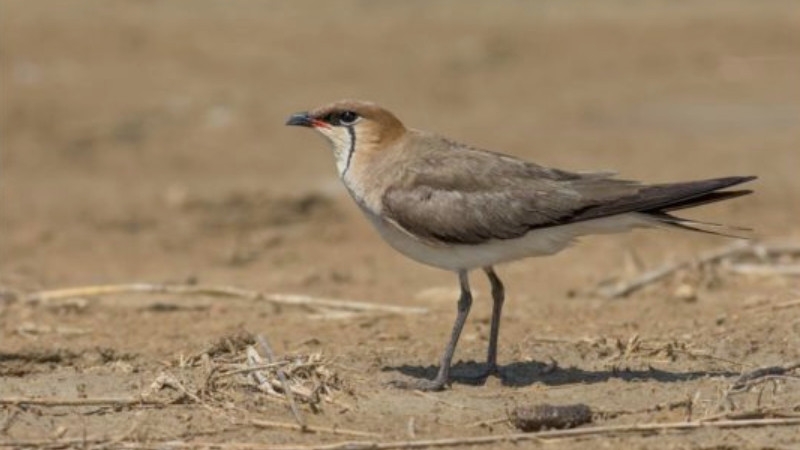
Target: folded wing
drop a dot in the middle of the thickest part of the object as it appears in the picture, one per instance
(486, 196)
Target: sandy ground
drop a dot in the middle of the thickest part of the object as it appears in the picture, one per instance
(144, 141)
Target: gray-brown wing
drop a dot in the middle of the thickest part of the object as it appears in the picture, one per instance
(481, 196)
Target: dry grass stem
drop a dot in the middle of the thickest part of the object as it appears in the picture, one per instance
(757, 413)
(287, 391)
(627, 287)
(233, 362)
(311, 428)
(253, 368)
(55, 402)
(665, 406)
(763, 269)
(611, 430)
(218, 291)
(732, 258)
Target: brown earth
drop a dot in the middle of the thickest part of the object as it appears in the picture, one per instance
(144, 141)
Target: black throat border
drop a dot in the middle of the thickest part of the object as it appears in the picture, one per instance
(350, 151)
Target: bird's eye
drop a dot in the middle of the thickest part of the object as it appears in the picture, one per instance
(348, 118)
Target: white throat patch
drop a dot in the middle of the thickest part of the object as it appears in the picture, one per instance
(342, 140)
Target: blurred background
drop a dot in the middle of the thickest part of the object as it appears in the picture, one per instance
(146, 138)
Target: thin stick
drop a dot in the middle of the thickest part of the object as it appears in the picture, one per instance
(132, 428)
(59, 443)
(760, 250)
(254, 359)
(74, 441)
(217, 291)
(348, 305)
(254, 368)
(758, 413)
(269, 385)
(627, 287)
(763, 269)
(99, 401)
(646, 428)
(668, 406)
(287, 391)
(778, 248)
(311, 429)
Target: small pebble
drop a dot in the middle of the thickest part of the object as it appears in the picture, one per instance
(685, 292)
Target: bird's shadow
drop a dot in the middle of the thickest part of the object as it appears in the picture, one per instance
(519, 374)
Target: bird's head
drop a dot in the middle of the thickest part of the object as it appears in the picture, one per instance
(352, 127)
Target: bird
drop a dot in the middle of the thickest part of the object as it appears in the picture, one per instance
(460, 208)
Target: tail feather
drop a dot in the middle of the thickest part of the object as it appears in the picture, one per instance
(700, 193)
(717, 229)
(667, 197)
(710, 197)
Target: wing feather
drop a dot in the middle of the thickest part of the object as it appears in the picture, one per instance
(470, 196)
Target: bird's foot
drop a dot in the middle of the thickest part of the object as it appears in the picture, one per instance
(436, 384)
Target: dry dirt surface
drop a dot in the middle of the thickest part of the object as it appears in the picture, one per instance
(143, 141)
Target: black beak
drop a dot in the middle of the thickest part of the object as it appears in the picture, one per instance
(301, 119)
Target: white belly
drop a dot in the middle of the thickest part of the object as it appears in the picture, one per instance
(539, 242)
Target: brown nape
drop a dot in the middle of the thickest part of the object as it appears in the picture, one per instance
(382, 125)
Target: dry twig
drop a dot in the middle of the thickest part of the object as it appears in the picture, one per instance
(665, 406)
(287, 391)
(218, 291)
(763, 269)
(611, 430)
(250, 369)
(757, 413)
(98, 401)
(82, 441)
(308, 378)
(727, 254)
(311, 428)
(624, 288)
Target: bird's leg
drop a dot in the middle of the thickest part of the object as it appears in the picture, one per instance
(498, 297)
(438, 383)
